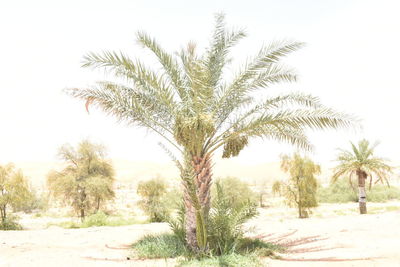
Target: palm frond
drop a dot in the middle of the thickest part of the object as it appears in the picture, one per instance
(169, 63)
(216, 55)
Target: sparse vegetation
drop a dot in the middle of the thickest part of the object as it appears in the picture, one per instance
(97, 219)
(86, 182)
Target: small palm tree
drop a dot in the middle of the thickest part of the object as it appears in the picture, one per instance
(190, 104)
(360, 160)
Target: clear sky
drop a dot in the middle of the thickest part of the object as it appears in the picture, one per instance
(350, 62)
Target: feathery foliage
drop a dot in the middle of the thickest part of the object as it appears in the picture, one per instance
(301, 188)
(194, 107)
(87, 180)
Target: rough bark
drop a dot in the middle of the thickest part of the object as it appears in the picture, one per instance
(202, 181)
(362, 198)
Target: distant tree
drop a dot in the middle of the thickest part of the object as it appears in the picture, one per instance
(301, 188)
(14, 190)
(87, 180)
(360, 160)
(153, 201)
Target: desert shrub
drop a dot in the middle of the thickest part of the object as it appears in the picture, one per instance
(10, 223)
(154, 199)
(236, 191)
(342, 192)
(161, 246)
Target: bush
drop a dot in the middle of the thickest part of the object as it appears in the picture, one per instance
(224, 227)
(225, 222)
(341, 192)
(10, 223)
(97, 219)
(162, 246)
(154, 194)
(382, 193)
(237, 191)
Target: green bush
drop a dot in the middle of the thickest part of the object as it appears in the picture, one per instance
(225, 221)
(382, 193)
(237, 191)
(224, 227)
(97, 219)
(341, 192)
(153, 201)
(161, 246)
(10, 223)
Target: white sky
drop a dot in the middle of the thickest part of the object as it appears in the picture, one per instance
(351, 62)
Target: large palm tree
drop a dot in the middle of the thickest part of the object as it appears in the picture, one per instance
(360, 160)
(198, 111)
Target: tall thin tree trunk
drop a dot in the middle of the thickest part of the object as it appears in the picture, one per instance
(82, 214)
(195, 219)
(3, 213)
(97, 205)
(362, 198)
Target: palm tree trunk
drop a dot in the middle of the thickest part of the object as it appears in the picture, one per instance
(362, 198)
(196, 217)
(190, 221)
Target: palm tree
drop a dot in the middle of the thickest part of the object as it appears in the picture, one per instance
(360, 160)
(198, 111)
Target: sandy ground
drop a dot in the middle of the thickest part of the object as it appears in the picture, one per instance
(350, 240)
